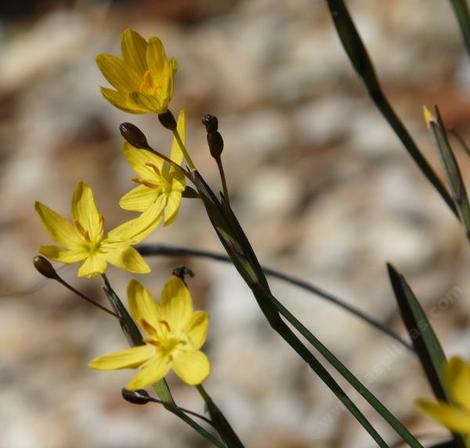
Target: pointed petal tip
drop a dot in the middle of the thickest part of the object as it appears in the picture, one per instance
(429, 117)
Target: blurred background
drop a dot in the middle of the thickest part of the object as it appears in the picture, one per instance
(322, 186)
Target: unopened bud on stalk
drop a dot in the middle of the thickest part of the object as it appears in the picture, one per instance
(167, 120)
(210, 122)
(182, 272)
(214, 139)
(135, 397)
(44, 267)
(133, 135)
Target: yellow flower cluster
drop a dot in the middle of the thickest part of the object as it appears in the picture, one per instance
(143, 82)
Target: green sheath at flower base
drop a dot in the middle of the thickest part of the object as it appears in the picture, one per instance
(84, 240)
(455, 416)
(161, 184)
(143, 78)
(174, 333)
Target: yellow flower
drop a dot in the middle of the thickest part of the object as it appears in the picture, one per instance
(174, 333)
(143, 78)
(455, 416)
(84, 239)
(161, 183)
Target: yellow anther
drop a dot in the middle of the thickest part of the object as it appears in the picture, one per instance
(147, 82)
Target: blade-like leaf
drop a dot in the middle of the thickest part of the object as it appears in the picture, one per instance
(422, 335)
(451, 167)
(462, 13)
(225, 430)
(359, 58)
(425, 341)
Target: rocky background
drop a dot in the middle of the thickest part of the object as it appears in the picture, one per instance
(322, 185)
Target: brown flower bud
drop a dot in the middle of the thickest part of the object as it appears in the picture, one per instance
(210, 122)
(133, 135)
(135, 396)
(44, 267)
(167, 120)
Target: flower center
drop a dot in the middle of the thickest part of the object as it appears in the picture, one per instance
(166, 340)
(148, 85)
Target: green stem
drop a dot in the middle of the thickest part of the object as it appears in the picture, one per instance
(178, 251)
(226, 432)
(462, 13)
(224, 181)
(245, 261)
(182, 146)
(361, 62)
(203, 432)
(289, 336)
(348, 375)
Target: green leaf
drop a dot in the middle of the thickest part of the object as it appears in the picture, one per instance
(452, 170)
(360, 60)
(232, 231)
(222, 425)
(421, 333)
(462, 13)
(425, 341)
(349, 376)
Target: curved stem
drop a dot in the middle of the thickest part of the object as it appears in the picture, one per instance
(167, 250)
(84, 297)
(187, 411)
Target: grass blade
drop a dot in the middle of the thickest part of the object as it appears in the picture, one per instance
(361, 62)
(400, 429)
(451, 167)
(425, 341)
(241, 253)
(462, 13)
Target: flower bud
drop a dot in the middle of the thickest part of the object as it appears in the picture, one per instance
(216, 144)
(182, 272)
(44, 267)
(210, 122)
(167, 120)
(135, 396)
(133, 135)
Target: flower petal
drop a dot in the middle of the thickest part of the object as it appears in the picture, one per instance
(133, 49)
(150, 103)
(457, 380)
(196, 329)
(142, 162)
(139, 198)
(63, 255)
(173, 201)
(176, 304)
(58, 227)
(128, 259)
(135, 230)
(85, 212)
(156, 56)
(153, 371)
(124, 359)
(142, 305)
(176, 153)
(122, 101)
(450, 416)
(92, 266)
(119, 74)
(193, 367)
